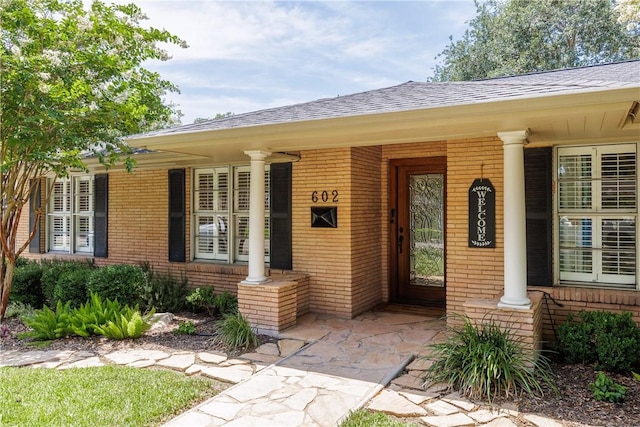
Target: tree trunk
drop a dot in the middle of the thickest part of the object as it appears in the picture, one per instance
(6, 277)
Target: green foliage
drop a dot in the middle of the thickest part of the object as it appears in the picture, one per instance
(123, 282)
(18, 309)
(73, 84)
(486, 361)
(185, 328)
(26, 287)
(235, 332)
(71, 286)
(636, 376)
(95, 317)
(605, 389)
(226, 303)
(103, 396)
(610, 340)
(363, 418)
(53, 270)
(163, 291)
(509, 37)
(49, 325)
(202, 299)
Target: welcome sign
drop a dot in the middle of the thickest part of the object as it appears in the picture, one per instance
(482, 214)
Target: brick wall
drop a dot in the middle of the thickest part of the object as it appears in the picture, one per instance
(472, 273)
(366, 229)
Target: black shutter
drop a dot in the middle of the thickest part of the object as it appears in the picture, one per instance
(177, 219)
(538, 176)
(280, 239)
(34, 204)
(100, 214)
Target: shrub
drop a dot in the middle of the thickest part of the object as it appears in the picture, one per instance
(185, 328)
(485, 361)
(235, 332)
(121, 282)
(71, 286)
(52, 270)
(226, 303)
(163, 291)
(605, 389)
(95, 317)
(26, 286)
(18, 309)
(610, 340)
(47, 324)
(202, 299)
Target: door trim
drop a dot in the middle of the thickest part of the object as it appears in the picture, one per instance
(436, 165)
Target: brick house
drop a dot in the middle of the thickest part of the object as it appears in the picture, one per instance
(476, 197)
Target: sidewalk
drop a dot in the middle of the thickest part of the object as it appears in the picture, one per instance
(345, 365)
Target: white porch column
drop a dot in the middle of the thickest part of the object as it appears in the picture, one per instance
(256, 218)
(515, 224)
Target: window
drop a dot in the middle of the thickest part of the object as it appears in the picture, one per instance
(70, 215)
(596, 213)
(221, 213)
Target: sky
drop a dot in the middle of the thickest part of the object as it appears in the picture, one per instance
(251, 55)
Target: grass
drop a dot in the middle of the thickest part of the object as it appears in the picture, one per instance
(101, 396)
(363, 418)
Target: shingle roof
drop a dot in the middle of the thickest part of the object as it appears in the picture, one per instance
(422, 95)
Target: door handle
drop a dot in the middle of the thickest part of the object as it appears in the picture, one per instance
(400, 240)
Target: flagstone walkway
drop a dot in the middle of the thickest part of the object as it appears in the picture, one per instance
(345, 365)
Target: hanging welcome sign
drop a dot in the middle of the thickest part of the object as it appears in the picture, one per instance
(482, 214)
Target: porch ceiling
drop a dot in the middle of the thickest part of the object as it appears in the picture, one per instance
(598, 116)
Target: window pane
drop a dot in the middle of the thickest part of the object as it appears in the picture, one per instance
(574, 180)
(84, 195)
(618, 181)
(576, 237)
(242, 237)
(205, 191)
(212, 236)
(242, 184)
(618, 246)
(84, 234)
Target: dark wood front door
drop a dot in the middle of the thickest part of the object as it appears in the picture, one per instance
(418, 231)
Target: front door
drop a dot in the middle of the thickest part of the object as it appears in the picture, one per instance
(418, 231)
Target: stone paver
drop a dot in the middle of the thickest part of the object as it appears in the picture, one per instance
(314, 375)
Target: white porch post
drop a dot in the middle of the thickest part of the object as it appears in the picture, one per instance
(256, 218)
(515, 224)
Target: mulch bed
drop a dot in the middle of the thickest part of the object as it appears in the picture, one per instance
(575, 405)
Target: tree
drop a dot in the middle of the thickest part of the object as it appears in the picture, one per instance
(71, 85)
(509, 37)
(217, 116)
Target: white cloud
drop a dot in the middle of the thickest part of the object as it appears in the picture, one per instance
(245, 56)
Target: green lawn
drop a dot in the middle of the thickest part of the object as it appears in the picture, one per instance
(364, 418)
(103, 396)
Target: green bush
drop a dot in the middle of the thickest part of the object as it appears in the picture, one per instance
(95, 317)
(71, 286)
(486, 361)
(52, 270)
(202, 299)
(26, 286)
(47, 324)
(610, 340)
(605, 389)
(123, 282)
(226, 303)
(18, 309)
(163, 291)
(185, 328)
(235, 332)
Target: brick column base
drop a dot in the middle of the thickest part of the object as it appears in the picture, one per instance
(269, 307)
(526, 324)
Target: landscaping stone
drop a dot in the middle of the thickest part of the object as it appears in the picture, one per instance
(289, 346)
(539, 421)
(393, 403)
(178, 362)
(485, 415)
(455, 420)
(232, 374)
(212, 358)
(124, 357)
(442, 408)
(459, 401)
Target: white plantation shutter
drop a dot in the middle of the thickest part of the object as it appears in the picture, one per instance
(597, 211)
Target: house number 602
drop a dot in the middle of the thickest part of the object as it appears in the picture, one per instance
(316, 196)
